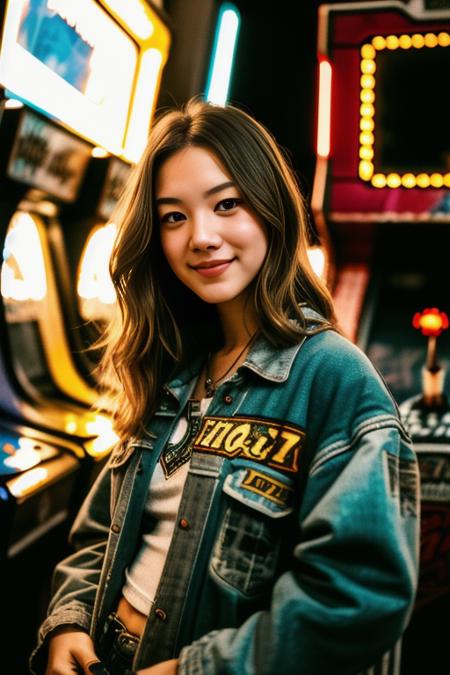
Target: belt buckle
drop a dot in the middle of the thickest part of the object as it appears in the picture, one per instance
(127, 643)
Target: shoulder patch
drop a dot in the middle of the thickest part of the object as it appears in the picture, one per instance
(404, 483)
(272, 442)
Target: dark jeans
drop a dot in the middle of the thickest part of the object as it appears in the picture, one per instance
(116, 646)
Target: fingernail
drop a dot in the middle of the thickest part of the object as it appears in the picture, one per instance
(98, 668)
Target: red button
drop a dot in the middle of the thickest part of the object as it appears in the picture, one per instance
(160, 613)
(228, 399)
(184, 524)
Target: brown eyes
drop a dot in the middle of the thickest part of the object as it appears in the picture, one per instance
(229, 205)
(167, 216)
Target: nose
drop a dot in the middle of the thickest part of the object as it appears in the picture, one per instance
(204, 234)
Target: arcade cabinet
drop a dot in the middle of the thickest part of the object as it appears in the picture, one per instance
(81, 242)
(381, 203)
(86, 77)
(75, 79)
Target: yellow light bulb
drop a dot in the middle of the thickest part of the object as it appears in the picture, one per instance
(367, 95)
(392, 42)
(368, 66)
(379, 42)
(367, 110)
(423, 180)
(447, 180)
(417, 40)
(368, 51)
(366, 138)
(365, 169)
(409, 180)
(367, 81)
(444, 39)
(436, 180)
(365, 152)
(405, 41)
(393, 180)
(431, 40)
(379, 180)
(366, 124)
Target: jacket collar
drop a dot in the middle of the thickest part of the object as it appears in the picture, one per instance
(274, 363)
(271, 363)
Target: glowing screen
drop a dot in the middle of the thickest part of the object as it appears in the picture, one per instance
(56, 43)
(73, 62)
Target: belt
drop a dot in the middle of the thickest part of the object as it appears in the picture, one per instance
(126, 643)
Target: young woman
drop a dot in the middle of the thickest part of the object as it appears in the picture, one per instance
(259, 512)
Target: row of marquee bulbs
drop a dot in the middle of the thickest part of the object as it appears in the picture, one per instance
(368, 67)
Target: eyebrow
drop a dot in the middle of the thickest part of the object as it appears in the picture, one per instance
(211, 191)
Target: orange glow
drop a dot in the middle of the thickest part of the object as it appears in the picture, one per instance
(324, 111)
(431, 321)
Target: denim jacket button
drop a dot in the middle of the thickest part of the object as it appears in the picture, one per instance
(160, 613)
(184, 524)
(115, 528)
(227, 398)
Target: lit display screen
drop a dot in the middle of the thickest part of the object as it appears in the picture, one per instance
(72, 61)
(56, 43)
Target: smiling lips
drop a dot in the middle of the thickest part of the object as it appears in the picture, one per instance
(213, 268)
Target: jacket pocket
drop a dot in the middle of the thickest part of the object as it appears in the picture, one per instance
(246, 551)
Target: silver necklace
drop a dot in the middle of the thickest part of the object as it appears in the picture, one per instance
(210, 385)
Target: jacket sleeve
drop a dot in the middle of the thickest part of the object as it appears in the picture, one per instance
(75, 579)
(350, 591)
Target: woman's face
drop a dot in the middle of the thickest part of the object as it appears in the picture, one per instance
(204, 219)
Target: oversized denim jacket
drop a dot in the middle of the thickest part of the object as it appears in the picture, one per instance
(296, 549)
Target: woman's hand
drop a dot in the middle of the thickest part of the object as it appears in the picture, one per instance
(164, 668)
(70, 651)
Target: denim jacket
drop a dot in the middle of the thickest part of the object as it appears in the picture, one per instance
(296, 544)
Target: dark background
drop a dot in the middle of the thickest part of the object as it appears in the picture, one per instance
(274, 76)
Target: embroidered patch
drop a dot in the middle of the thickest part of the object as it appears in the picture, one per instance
(276, 444)
(177, 454)
(267, 487)
(403, 479)
(174, 456)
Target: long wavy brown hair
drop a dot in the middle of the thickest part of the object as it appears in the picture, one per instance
(160, 323)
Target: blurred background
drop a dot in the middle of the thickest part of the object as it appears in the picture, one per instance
(357, 95)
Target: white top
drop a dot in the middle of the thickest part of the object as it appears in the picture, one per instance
(164, 497)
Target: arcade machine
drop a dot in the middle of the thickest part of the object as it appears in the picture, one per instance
(81, 243)
(381, 204)
(73, 76)
(94, 69)
(426, 416)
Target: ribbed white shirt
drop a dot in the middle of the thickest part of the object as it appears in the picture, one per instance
(164, 497)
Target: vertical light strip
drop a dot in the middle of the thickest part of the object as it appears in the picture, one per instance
(223, 54)
(135, 15)
(324, 109)
(143, 103)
